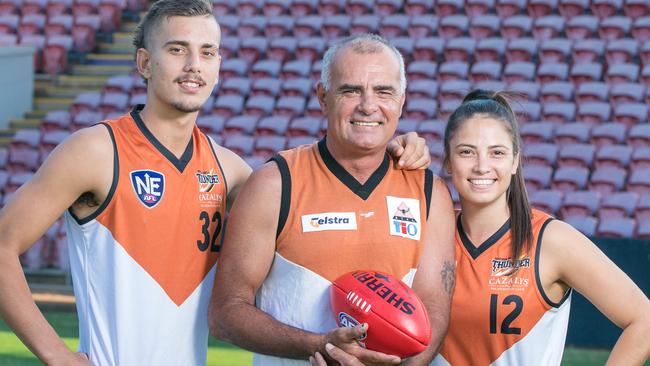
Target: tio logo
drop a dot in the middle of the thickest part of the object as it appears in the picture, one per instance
(149, 186)
(405, 228)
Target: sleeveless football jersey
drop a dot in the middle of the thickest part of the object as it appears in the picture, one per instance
(143, 264)
(331, 224)
(500, 314)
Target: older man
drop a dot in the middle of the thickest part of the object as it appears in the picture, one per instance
(274, 256)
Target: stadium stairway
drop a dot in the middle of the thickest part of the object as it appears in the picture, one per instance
(86, 73)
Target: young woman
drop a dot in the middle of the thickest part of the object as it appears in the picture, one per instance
(517, 266)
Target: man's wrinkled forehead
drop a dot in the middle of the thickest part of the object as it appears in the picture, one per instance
(379, 64)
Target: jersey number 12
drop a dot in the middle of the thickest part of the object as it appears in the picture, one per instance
(505, 325)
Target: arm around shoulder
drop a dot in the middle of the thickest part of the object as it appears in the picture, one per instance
(570, 258)
(436, 274)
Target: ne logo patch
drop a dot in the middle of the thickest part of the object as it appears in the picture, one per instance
(148, 186)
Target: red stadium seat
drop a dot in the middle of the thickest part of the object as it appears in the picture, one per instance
(484, 26)
(586, 225)
(458, 49)
(592, 91)
(516, 26)
(617, 227)
(548, 27)
(395, 25)
(490, 49)
(240, 125)
(418, 7)
(290, 106)
(452, 26)
(304, 126)
(335, 26)
(608, 134)
(639, 181)
(251, 26)
(594, 112)
(576, 155)
(607, 180)
(428, 49)
(537, 132)
(587, 50)
(547, 200)
(640, 158)
(557, 91)
(526, 89)
(642, 212)
(581, 27)
(558, 112)
(639, 136)
(614, 27)
(641, 29)
(275, 8)
(538, 177)
(544, 154)
(617, 156)
(580, 204)
(266, 86)
(301, 8)
(259, 106)
(228, 105)
(555, 50)
(241, 145)
(236, 86)
(420, 109)
(572, 133)
(273, 125)
(432, 130)
(454, 70)
(618, 204)
(266, 146)
(419, 89)
(422, 26)
(446, 8)
(605, 8)
(569, 179)
(478, 8)
(507, 8)
(211, 124)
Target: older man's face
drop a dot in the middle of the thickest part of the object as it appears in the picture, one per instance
(364, 102)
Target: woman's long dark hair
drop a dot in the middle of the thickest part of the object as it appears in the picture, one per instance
(495, 105)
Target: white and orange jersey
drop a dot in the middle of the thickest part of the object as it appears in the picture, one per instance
(500, 314)
(143, 264)
(330, 224)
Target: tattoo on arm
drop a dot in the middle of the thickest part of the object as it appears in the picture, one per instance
(448, 274)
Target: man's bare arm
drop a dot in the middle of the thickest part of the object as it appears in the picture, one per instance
(83, 163)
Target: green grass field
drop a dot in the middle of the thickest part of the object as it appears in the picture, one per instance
(14, 353)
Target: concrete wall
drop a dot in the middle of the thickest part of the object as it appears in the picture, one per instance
(16, 82)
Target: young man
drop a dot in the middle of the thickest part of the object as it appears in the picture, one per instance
(145, 198)
(276, 301)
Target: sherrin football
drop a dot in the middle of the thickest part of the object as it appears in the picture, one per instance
(398, 323)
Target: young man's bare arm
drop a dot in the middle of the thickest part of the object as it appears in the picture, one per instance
(83, 163)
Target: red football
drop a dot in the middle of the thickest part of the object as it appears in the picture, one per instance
(398, 323)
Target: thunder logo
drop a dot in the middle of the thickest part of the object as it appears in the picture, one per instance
(207, 180)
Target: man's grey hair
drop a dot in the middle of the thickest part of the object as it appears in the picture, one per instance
(362, 44)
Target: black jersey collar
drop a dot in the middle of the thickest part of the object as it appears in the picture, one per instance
(475, 251)
(362, 190)
(181, 163)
